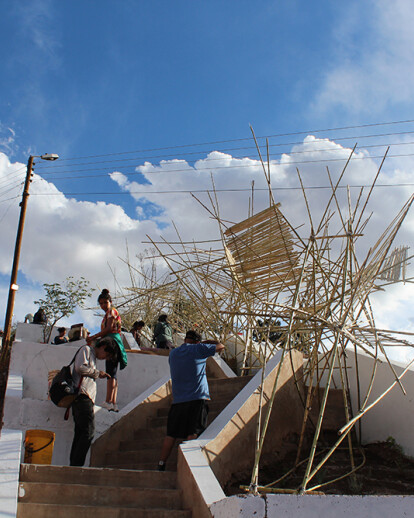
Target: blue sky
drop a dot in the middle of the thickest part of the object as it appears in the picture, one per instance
(85, 79)
(136, 75)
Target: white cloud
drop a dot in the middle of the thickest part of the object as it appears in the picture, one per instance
(7, 140)
(38, 23)
(68, 237)
(62, 236)
(373, 67)
(235, 173)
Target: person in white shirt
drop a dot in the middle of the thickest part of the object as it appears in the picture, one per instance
(85, 374)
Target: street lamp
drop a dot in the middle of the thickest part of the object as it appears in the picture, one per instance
(4, 358)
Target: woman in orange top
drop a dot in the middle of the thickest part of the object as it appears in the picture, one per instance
(111, 326)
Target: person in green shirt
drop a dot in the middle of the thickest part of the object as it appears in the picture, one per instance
(163, 333)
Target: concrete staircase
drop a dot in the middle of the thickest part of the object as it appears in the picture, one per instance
(68, 492)
(127, 483)
(143, 451)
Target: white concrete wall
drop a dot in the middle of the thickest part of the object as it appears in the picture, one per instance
(394, 414)
(313, 506)
(34, 361)
(34, 333)
(193, 454)
(27, 406)
(29, 332)
(10, 444)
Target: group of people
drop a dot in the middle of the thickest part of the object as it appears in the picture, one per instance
(163, 333)
(187, 417)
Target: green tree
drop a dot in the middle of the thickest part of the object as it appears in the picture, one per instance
(61, 300)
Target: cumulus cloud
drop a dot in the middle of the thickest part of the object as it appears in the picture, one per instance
(312, 157)
(64, 236)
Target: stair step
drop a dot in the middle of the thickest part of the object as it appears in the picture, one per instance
(136, 457)
(237, 383)
(79, 494)
(228, 393)
(154, 433)
(145, 444)
(157, 422)
(142, 444)
(96, 476)
(25, 510)
(144, 466)
(213, 405)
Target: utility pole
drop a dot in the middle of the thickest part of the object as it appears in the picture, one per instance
(13, 280)
(6, 343)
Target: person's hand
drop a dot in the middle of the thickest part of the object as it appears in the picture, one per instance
(220, 347)
(104, 375)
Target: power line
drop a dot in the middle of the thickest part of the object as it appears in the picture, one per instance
(8, 199)
(13, 175)
(10, 186)
(190, 169)
(8, 190)
(226, 150)
(6, 211)
(277, 135)
(243, 189)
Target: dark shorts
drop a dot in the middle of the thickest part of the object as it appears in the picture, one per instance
(111, 368)
(187, 418)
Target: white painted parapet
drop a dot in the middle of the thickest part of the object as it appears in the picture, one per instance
(10, 448)
(33, 361)
(29, 333)
(394, 414)
(204, 461)
(27, 406)
(314, 506)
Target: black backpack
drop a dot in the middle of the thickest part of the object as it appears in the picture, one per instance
(62, 390)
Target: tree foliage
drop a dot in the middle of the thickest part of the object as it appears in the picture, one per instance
(61, 300)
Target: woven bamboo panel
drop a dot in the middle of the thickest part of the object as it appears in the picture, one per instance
(261, 252)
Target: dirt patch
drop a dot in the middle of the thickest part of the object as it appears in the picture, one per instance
(386, 471)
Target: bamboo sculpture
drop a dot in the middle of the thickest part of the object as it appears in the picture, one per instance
(312, 293)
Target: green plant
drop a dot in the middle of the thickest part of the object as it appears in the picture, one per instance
(61, 300)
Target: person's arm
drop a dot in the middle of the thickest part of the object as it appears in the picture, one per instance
(82, 364)
(219, 346)
(109, 328)
(205, 352)
(83, 367)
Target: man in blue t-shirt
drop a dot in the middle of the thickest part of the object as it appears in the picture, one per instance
(187, 417)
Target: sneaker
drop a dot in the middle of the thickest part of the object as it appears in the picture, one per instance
(108, 406)
(115, 407)
(161, 466)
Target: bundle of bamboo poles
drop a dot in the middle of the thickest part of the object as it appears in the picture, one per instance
(263, 287)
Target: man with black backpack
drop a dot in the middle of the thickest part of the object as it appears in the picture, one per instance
(84, 376)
